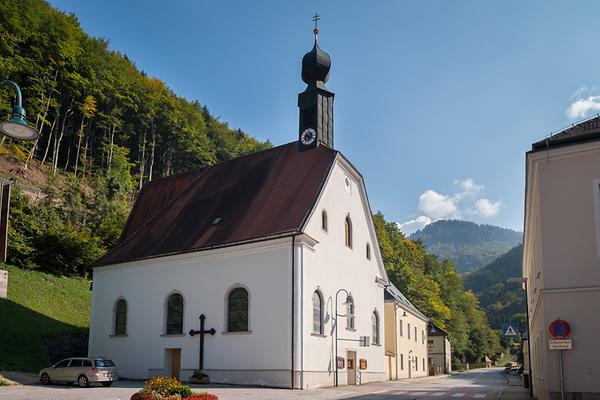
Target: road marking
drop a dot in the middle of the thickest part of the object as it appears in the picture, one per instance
(438, 394)
(458, 395)
(479, 396)
(417, 393)
(381, 391)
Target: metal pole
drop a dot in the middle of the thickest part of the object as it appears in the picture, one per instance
(562, 377)
(530, 372)
(336, 339)
(201, 363)
(17, 91)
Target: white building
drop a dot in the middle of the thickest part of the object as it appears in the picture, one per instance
(265, 246)
(405, 337)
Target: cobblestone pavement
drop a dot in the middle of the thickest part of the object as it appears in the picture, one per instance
(485, 384)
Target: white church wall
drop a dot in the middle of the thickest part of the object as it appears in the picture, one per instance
(260, 357)
(330, 266)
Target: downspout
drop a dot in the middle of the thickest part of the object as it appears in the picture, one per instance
(293, 306)
(396, 333)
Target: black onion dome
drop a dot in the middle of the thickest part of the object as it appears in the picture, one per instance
(315, 65)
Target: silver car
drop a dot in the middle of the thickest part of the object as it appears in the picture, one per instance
(81, 370)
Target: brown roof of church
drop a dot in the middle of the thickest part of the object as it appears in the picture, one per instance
(260, 195)
(582, 132)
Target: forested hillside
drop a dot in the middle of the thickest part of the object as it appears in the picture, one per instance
(502, 301)
(106, 129)
(468, 245)
(435, 288)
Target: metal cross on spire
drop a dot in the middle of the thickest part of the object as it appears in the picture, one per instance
(316, 19)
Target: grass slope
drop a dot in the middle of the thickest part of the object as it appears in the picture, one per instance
(39, 305)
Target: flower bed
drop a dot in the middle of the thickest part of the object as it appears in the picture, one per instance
(165, 388)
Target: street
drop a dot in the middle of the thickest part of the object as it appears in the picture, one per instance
(487, 384)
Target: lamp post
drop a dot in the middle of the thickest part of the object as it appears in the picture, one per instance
(523, 280)
(17, 127)
(336, 327)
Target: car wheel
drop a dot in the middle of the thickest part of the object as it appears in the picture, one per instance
(45, 379)
(83, 381)
(106, 384)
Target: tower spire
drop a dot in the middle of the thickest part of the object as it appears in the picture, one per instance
(316, 102)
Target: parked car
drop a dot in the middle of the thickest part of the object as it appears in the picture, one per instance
(81, 370)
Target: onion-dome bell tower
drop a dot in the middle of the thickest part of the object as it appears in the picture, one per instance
(316, 102)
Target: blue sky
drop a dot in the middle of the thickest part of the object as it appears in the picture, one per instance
(436, 101)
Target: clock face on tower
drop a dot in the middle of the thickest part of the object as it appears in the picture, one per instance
(308, 136)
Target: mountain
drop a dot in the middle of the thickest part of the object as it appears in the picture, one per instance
(502, 301)
(467, 244)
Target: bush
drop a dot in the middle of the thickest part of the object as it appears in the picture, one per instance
(166, 388)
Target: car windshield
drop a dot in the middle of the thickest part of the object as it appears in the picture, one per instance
(104, 363)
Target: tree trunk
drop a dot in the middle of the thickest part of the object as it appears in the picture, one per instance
(143, 160)
(50, 137)
(110, 149)
(60, 137)
(152, 156)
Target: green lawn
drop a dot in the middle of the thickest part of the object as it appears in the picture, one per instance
(39, 305)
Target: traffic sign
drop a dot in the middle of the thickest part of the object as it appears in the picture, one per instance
(561, 344)
(559, 329)
(510, 331)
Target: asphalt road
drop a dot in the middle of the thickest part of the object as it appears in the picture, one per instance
(486, 384)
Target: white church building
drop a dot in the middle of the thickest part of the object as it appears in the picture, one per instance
(267, 247)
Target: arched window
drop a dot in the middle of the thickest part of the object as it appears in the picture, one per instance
(121, 317)
(175, 314)
(324, 220)
(317, 313)
(237, 310)
(349, 313)
(375, 326)
(368, 251)
(348, 231)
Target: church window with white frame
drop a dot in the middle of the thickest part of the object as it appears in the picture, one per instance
(121, 317)
(349, 313)
(375, 327)
(348, 232)
(318, 313)
(175, 314)
(237, 310)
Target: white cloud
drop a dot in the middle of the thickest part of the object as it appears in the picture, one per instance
(436, 205)
(487, 208)
(410, 227)
(580, 107)
(469, 188)
(466, 200)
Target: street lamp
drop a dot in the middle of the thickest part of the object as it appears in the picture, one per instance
(523, 280)
(345, 304)
(16, 127)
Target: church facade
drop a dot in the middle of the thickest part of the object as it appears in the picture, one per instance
(276, 250)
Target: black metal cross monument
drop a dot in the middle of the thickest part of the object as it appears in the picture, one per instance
(202, 332)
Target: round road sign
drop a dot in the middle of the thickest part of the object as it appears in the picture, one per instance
(559, 329)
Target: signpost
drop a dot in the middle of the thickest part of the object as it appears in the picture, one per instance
(560, 329)
(510, 331)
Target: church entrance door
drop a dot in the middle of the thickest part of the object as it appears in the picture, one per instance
(351, 368)
(173, 362)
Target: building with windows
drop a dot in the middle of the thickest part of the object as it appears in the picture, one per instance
(405, 337)
(275, 249)
(438, 350)
(561, 258)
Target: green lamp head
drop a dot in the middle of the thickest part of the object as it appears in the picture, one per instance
(17, 127)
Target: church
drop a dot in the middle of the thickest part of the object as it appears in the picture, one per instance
(262, 270)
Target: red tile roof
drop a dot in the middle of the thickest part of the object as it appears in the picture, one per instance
(585, 131)
(252, 197)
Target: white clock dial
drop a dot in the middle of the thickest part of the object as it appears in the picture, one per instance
(308, 136)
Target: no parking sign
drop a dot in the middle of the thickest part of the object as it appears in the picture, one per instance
(559, 329)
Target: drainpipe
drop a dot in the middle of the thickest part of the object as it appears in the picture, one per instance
(293, 306)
